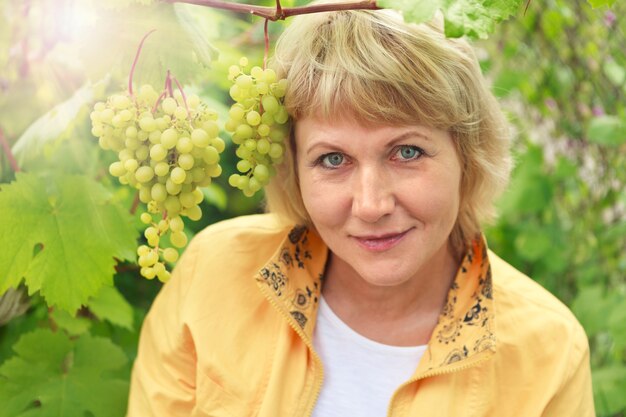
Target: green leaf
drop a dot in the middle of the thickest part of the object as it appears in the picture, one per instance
(474, 18)
(51, 375)
(60, 234)
(599, 3)
(607, 130)
(179, 44)
(215, 195)
(533, 243)
(72, 324)
(110, 305)
(609, 385)
(413, 10)
(614, 72)
(592, 306)
(54, 126)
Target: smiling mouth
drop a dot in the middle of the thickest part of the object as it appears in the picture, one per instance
(380, 243)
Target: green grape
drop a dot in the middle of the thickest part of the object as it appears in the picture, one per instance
(117, 169)
(171, 187)
(172, 205)
(211, 155)
(276, 151)
(263, 146)
(184, 145)
(218, 144)
(148, 124)
(178, 175)
(185, 161)
(194, 213)
(169, 138)
(161, 169)
(243, 166)
(144, 174)
(236, 112)
(253, 118)
(178, 239)
(244, 131)
(147, 272)
(270, 104)
(193, 101)
(158, 192)
(170, 255)
(214, 171)
(233, 180)
(158, 152)
(200, 138)
(163, 226)
(146, 218)
(263, 130)
(169, 105)
(211, 128)
(176, 224)
(261, 172)
(143, 250)
(186, 199)
(164, 276)
(180, 113)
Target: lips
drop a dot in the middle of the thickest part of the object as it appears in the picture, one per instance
(380, 243)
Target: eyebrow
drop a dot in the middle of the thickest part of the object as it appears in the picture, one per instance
(394, 141)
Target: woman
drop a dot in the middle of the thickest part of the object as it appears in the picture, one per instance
(368, 290)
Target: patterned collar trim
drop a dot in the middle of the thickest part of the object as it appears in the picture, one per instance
(294, 276)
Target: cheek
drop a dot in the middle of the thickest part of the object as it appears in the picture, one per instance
(324, 203)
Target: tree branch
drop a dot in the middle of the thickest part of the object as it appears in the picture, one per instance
(281, 13)
(7, 149)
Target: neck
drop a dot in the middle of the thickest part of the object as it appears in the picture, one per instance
(402, 315)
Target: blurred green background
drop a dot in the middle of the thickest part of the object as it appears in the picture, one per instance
(559, 71)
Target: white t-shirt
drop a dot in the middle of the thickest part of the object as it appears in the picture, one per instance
(360, 375)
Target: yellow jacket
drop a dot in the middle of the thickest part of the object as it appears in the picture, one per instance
(231, 335)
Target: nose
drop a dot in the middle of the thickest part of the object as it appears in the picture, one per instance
(372, 197)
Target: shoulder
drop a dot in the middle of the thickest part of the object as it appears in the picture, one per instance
(223, 259)
(241, 233)
(528, 313)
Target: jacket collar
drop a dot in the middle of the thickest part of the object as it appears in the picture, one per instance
(292, 280)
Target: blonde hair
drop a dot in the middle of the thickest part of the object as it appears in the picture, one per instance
(373, 66)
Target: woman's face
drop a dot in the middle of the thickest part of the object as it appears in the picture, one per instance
(383, 198)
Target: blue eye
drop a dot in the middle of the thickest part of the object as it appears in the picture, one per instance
(332, 160)
(408, 152)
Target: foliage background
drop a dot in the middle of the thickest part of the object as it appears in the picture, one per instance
(559, 70)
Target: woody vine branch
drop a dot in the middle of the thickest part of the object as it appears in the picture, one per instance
(278, 12)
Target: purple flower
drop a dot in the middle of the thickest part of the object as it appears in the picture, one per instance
(609, 18)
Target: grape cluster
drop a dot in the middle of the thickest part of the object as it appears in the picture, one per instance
(257, 121)
(167, 147)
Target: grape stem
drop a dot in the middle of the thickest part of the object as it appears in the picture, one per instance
(280, 13)
(182, 93)
(159, 100)
(132, 68)
(7, 149)
(133, 208)
(267, 38)
(526, 8)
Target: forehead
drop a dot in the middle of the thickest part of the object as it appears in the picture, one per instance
(346, 127)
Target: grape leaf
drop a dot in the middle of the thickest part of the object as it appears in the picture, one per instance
(51, 375)
(55, 125)
(599, 3)
(72, 324)
(474, 18)
(412, 10)
(178, 44)
(607, 130)
(110, 305)
(60, 233)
